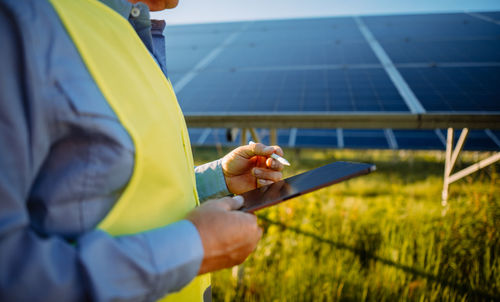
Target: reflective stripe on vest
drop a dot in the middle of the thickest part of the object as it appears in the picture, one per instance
(162, 188)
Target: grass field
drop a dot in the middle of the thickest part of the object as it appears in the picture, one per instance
(381, 237)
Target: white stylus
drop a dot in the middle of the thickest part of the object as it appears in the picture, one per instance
(275, 156)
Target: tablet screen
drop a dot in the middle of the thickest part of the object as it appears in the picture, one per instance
(302, 183)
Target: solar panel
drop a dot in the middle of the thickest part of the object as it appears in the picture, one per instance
(183, 57)
(278, 54)
(493, 15)
(181, 60)
(301, 42)
(188, 44)
(451, 62)
(420, 139)
(431, 27)
(326, 138)
(175, 76)
(437, 38)
(212, 137)
(205, 28)
(363, 139)
(455, 89)
(188, 40)
(477, 140)
(302, 30)
(443, 51)
(301, 90)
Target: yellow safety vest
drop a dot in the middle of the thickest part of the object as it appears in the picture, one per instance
(162, 188)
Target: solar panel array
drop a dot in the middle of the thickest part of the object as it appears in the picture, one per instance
(478, 140)
(451, 62)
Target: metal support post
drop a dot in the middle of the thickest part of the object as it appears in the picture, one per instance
(255, 136)
(458, 149)
(273, 136)
(447, 163)
(244, 140)
(451, 159)
(475, 167)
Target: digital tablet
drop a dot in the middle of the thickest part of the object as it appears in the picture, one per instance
(303, 183)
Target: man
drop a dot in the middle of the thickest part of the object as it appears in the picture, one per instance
(72, 162)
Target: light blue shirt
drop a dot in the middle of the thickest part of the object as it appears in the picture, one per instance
(65, 159)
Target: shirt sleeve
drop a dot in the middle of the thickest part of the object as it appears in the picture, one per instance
(210, 181)
(97, 266)
(142, 267)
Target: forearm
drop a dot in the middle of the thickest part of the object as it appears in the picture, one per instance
(210, 182)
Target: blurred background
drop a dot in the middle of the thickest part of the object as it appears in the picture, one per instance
(412, 86)
(198, 11)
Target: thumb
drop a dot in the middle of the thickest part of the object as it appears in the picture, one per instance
(232, 204)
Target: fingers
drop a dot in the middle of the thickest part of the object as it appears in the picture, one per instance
(250, 234)
(267, 174)
(264, 182)
(254, 230)
(274, 164)
(278, 150)
(260, 149)
(258, 236)
(228, 237)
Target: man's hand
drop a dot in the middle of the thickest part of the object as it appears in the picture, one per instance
(228, 236)
(248, 167)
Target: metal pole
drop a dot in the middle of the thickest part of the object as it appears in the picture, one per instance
(244, 136)
(447, 163)
(451, 158)
(255, 136)
(458, 149)
(475, 167)
(273, 136)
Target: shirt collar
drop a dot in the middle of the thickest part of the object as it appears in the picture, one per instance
(157, 27)
(122, 7)
(138, 16)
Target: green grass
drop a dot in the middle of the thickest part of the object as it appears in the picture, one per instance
(381, 237)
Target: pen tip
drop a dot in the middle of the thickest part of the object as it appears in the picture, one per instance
(280, 159)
